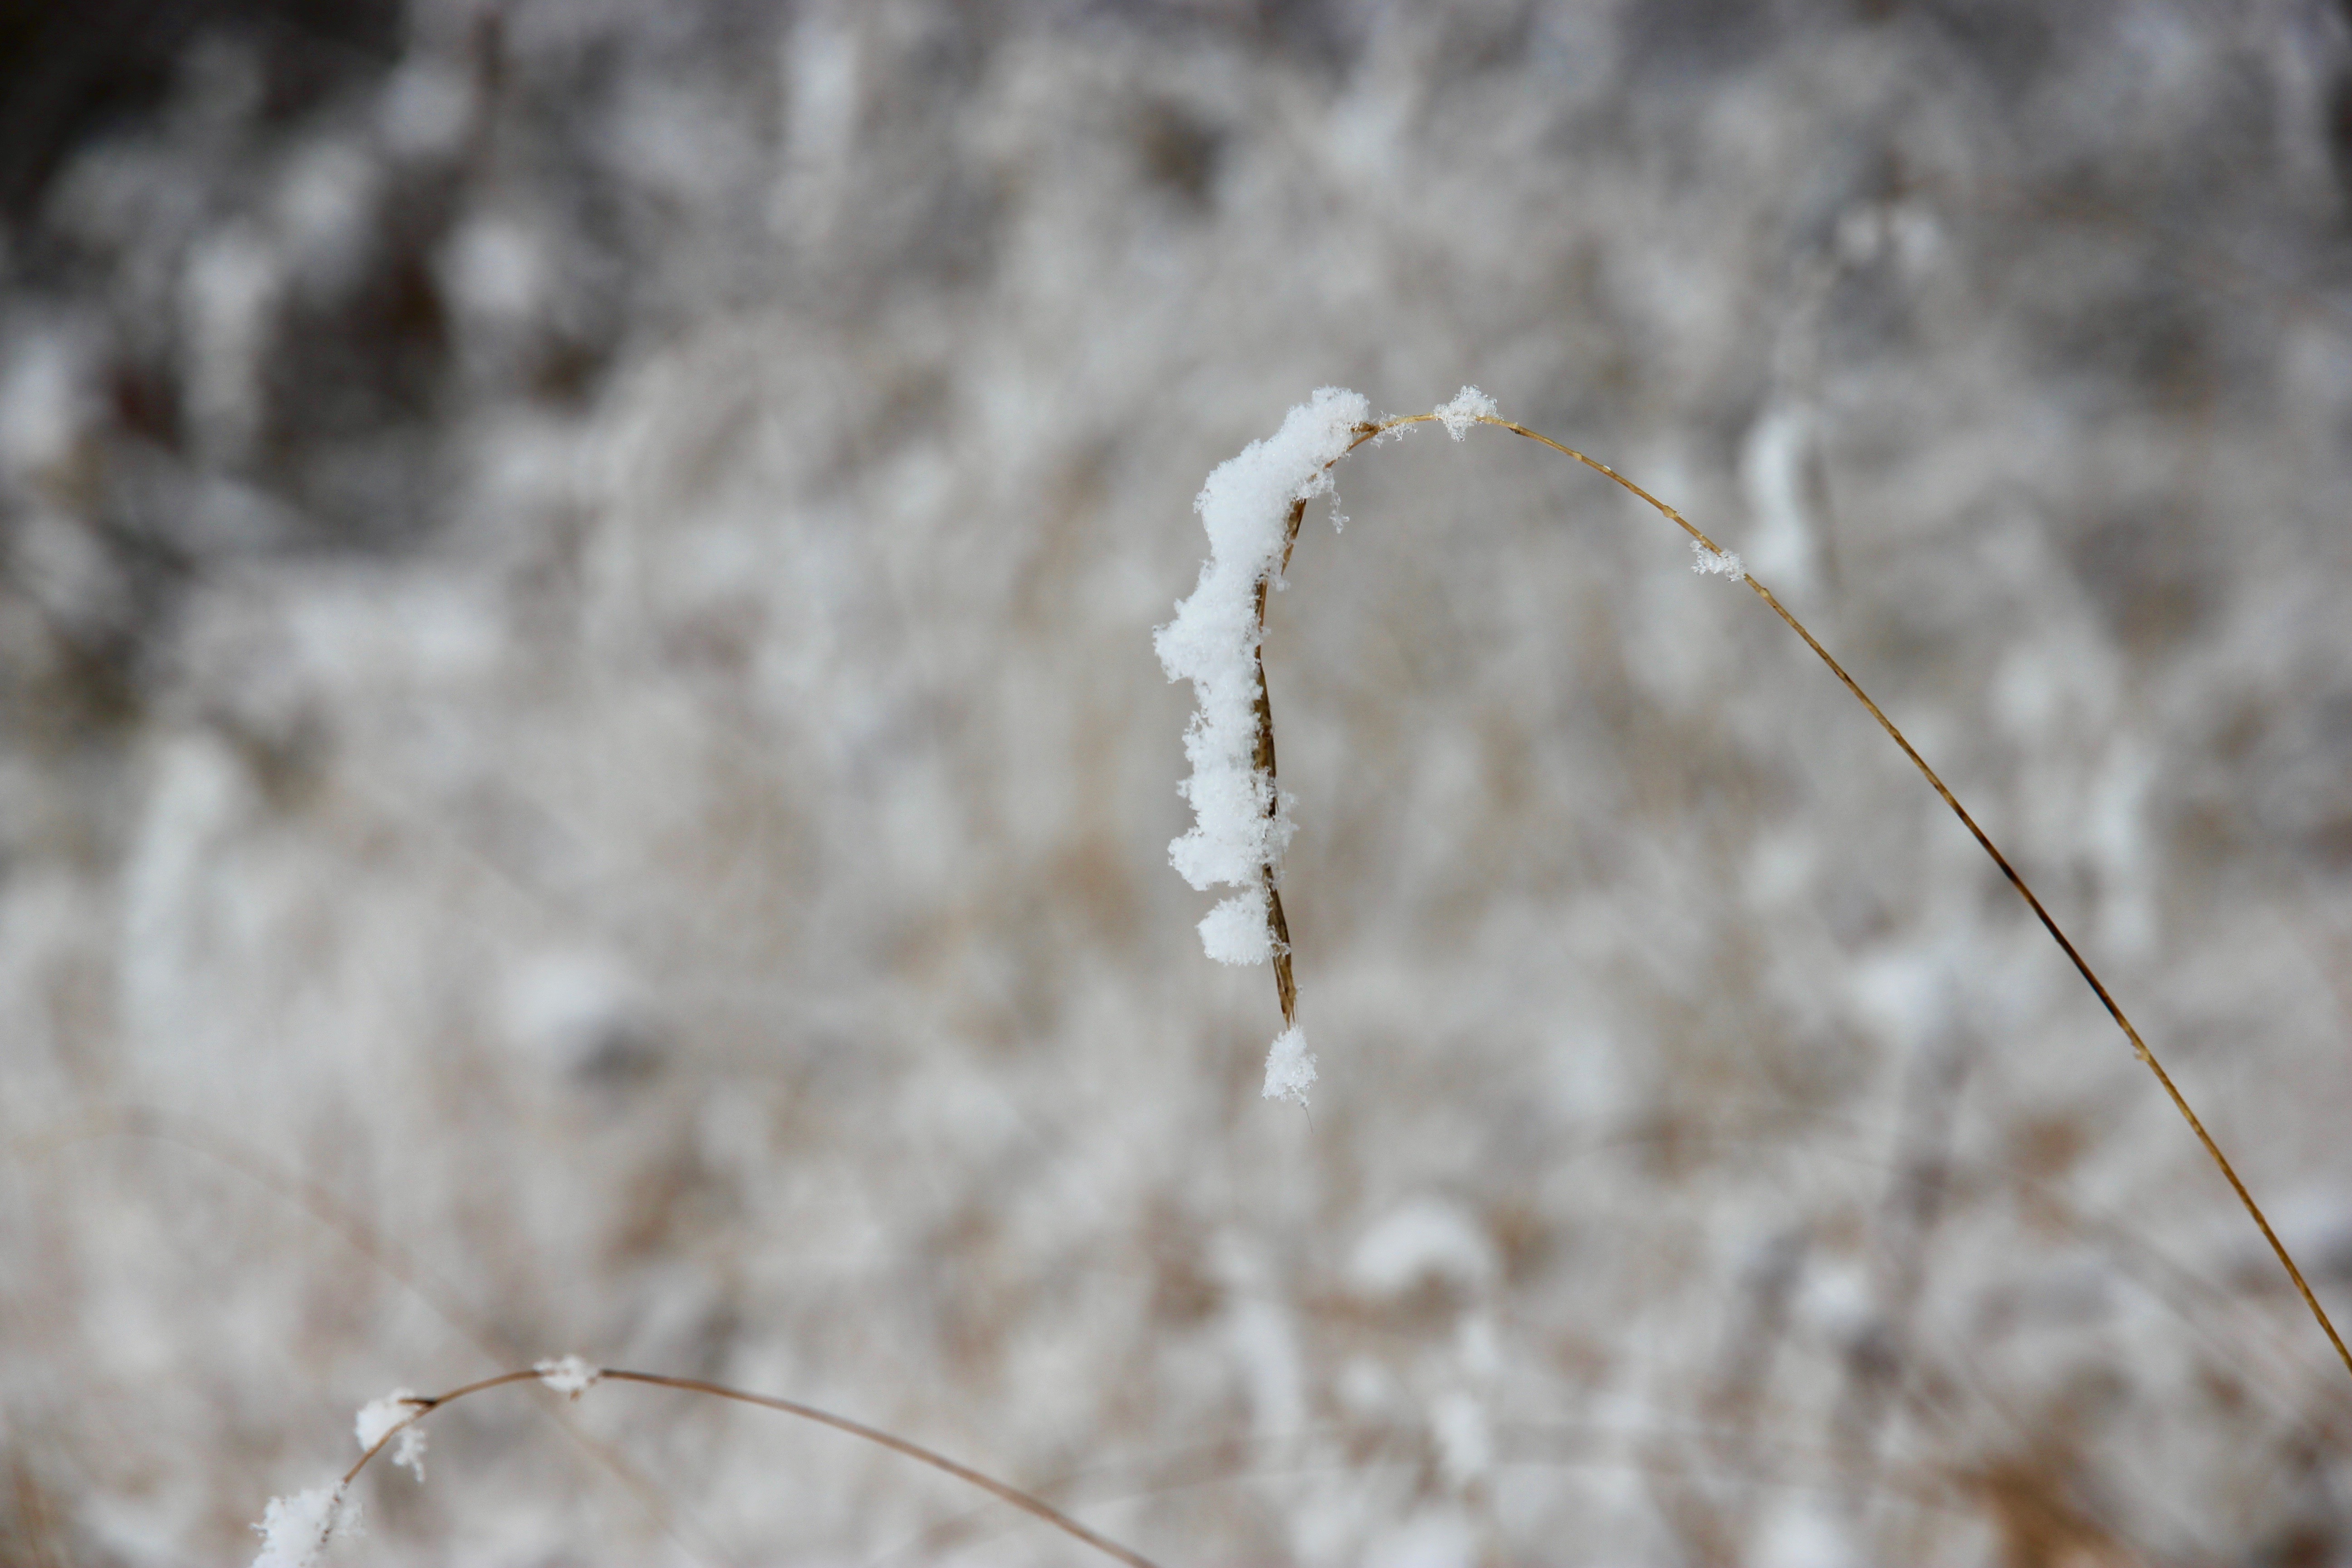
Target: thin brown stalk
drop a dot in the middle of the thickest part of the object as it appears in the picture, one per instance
(1285, 989)
(424, 1404)
(2081, 966)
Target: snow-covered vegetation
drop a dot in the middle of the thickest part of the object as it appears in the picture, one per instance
(1240, 826)
(583, 769)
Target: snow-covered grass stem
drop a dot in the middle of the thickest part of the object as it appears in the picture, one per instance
(1473, 408)
(572, 1376)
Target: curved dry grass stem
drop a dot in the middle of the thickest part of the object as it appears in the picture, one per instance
(424, 1404)
(2081, 966)
(391, 1259)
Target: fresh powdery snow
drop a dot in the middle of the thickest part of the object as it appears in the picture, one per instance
(1242, 821)
(1289, 1067)
(1726, 562)
(296, 1530)
(569, 1376)
(1469, 407)
(1236, 930)
(378, 1418)
(1241, 829)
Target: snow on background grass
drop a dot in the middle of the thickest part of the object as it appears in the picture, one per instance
(580, 766)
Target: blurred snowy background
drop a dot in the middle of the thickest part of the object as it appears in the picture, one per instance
(581, 769)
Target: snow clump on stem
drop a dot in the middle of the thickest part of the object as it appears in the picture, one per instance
(1242, 827)
(1236, 930)
(1724, 562)
(569, 1376)
(1251, 507)
(396, 1411)
(1469, 407)
(1289, 1067)
(296, 1530)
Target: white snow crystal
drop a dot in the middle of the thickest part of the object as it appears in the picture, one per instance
(1705, 562)
(1469, 405)
(570, 1375)
(1289, 1067)
(1242, 824)
(1235, 931)
(379, 1417)
(297, 1531)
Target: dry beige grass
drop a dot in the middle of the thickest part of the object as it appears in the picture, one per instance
(2036, 1521)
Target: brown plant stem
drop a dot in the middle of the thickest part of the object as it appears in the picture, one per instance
(424, 1404)
(1285, 988)
(394, 1261)
(1373, 431)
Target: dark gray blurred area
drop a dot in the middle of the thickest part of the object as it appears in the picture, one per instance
(581, 770)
